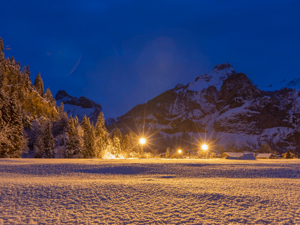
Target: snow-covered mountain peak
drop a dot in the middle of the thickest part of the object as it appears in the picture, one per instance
(214, 78)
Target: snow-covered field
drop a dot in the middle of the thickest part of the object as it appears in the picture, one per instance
(92, 191)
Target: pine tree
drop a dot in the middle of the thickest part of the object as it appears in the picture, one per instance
(76, 122)
(2, 63)
(17, 128)
(1, 45)
(11, 127)
(49, 97)
(116, 141)
(48, 142)
(167, 152)
(73, 143)
(288, 154)
(101, 137)
(5, 142)
(39, 143)
(89, 138)
(60, 126)
(39, 85)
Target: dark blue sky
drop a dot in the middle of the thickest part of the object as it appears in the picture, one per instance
(122, 53)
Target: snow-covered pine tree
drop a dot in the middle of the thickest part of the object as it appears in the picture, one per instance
(89, 138)
(116, 141)
(16, 125)
(60, 126)
(48, 141)
(39, 143)
(1, 45)
(101, 135)
(61, 108)
(39, 84)
(5, 129)
(11, 126)
(73, 147)
(127, 144)
(76, 122)
(49, 97)
(167, 152)
(2, 61)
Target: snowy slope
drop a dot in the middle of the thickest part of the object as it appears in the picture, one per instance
(78, 106)
(93, 191)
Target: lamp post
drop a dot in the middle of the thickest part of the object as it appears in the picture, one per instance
(205, 148)
(179, 152)
(142, 142)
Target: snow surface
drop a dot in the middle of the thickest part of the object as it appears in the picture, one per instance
(150, 191)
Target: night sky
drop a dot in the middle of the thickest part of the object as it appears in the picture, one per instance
(122, 53)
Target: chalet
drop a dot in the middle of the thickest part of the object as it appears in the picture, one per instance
(238, 155)
(232, 155)
(264, 156)
(292, 155)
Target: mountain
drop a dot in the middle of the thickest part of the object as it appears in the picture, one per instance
(78, 106)
(222, 106)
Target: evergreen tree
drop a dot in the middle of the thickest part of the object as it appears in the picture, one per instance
(60, 126)
(48, 142)
(89, 138)
(167, 152)
(288, 154)
(76, 121)
(61, 108)
(128, 144)
(1, 45)
(17, 129)
(49, 97)
(39, 85)
(2, 63)
(11, 127)
(116, 141)
(5, 143)
(73, 142)
(101, 137)
(39, 143)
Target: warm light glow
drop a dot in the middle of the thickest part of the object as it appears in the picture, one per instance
(142, 141)
(179, 151)
(204, 147)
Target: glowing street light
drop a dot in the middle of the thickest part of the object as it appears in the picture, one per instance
(142, 141)
(179, 151)
(204, 147)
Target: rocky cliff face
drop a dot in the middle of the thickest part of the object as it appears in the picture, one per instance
(223, 106)
(78, 106)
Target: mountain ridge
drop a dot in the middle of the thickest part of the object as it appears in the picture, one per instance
(223, 104)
